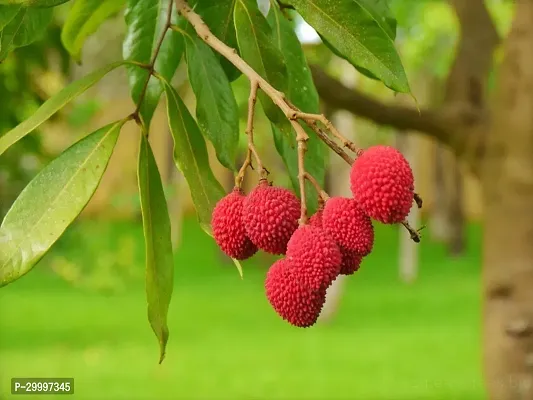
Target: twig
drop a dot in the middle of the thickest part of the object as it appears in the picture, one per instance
(291, 112)
(418, 200)
(414, 233)
(250, 133)
(301, 138)
(330, 127)
(322, 195)
(150, 67)
(329, 142)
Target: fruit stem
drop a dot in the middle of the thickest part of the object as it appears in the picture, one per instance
(252, 99)
(329, 142)
(418, 200)
(310, 118)
(301, 138)
(414, 233)
(323, 196)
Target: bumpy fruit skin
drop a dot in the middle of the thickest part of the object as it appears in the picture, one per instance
(347, 223)
(316, 218)
(228, 229)
(270, 215)
(351, 261)
(382, 182)
(292, 300)
(314, 256)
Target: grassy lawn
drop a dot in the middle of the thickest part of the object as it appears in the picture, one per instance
(390, 341)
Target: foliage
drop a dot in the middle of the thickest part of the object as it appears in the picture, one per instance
(161, 34)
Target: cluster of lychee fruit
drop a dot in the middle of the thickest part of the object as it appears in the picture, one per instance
(334, 241)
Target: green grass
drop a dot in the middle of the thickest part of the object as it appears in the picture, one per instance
(389, 341)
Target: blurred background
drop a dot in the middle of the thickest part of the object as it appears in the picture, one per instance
(406, 326)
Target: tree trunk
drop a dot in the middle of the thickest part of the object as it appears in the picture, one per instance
(508, 239)
(456, 215)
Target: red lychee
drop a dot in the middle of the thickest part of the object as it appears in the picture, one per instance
(350, 259)
(228, 229)
(270, 215)
(316, 218)
(382, 182)
(314, 256)
(292, 300)
(347, 223)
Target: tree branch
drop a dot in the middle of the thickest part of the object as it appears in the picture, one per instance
(440, 124)
(468, 75)
(292, 113)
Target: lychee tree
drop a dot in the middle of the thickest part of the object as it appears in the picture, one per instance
(220, 40)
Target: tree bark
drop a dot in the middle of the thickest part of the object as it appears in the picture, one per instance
(456, 214)
(508, 239)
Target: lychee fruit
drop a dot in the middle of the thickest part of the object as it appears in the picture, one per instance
(316, 218)
(228, 229)
(382, 182)
(348, 224)
(351, 261)
(270, 216)
(295, 302)
(314, 256)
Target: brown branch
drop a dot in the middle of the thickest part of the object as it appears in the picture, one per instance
(329, 142)
(252, 99)
(301, 138)
(330, 127)
(402, 118)
(291, 112)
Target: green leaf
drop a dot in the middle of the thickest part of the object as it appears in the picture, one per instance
(361, 70)
(256, 43)
(145, 20)
(28, 25)
(190, 155)
(218, 15)
(216, 109)
(382, 14)
(84, 19)
(51, 201)
(351, 27)
(35, 3)
(7, 13)
(302, 93)
(54, 104)
(158, 244)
